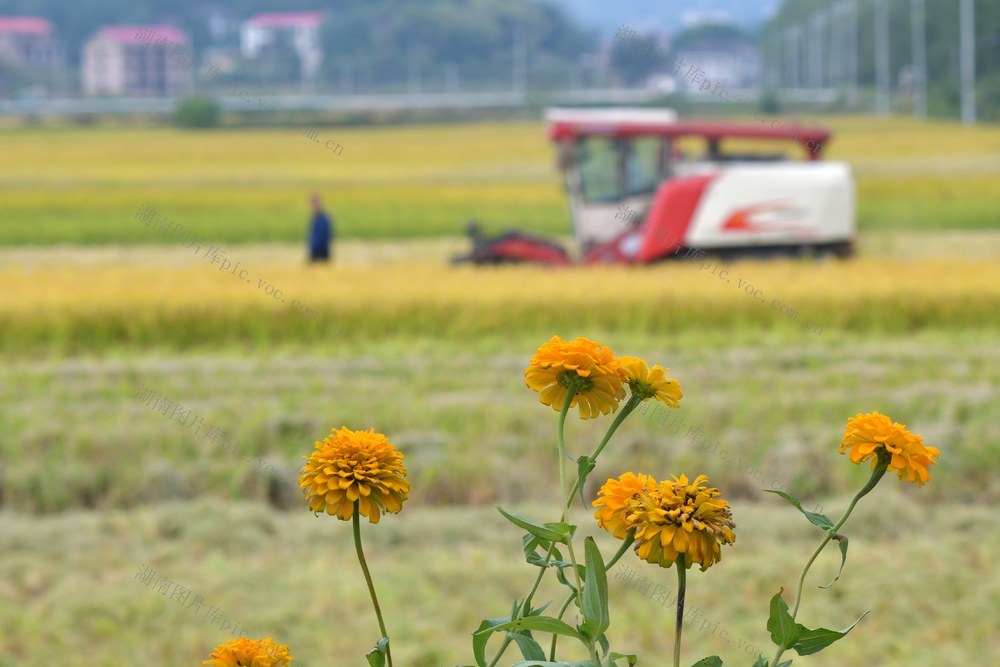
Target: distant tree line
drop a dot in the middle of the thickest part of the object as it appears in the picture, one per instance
(372, 43)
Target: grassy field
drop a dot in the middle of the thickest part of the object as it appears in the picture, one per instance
(97, 483)
(84, 186)
(105, 326)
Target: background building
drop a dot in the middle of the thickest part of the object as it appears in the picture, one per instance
(27, 41)
(136, 60)
(263, 34)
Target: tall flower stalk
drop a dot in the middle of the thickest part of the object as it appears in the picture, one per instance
(368, 580)
(586, 375)
(353, 474)
(888, 447)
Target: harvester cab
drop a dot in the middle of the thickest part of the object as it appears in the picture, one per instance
(638, 193)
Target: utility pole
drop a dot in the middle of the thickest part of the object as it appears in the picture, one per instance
(347, 75)
(882, 83)
(968, 62)
(792, 56)
(519, 61)
(414, 78)
(853, 17)
(837, 50)
(919, 58)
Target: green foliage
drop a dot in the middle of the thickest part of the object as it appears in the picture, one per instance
(712, 661)
(197, 113)
(387, 41)
(842, 544)
(637, 57)
(770, 104)
(787, 634)
(377, 656)
(551, 532)
(942, 35)
(815, 518)
(596, 617)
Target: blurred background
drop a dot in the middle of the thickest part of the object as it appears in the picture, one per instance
(170, 354)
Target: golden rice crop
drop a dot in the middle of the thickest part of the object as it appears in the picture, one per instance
(251, 185)
(97, 306)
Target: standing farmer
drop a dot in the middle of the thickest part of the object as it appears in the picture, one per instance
(320, 233)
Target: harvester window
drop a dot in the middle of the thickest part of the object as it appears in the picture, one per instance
(597, 159)
(642, 166)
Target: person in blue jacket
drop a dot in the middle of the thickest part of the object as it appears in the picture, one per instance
(320, 233)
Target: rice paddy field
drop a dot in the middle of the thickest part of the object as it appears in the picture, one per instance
(106, 324)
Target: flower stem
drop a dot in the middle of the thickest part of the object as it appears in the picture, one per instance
(877, 473)
(679, 625)
(561, 445)
(631, 405)
(368, 577)
(626, 543)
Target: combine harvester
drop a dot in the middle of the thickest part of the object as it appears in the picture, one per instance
(637, 198)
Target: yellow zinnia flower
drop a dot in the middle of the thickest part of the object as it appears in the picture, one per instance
(871, 435)
(674, 520)
(616, 497)
(351, 466)
(586, 367)
(244, 652)
(651, 383)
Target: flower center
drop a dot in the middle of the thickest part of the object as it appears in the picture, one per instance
(575, 383)
(641, 389)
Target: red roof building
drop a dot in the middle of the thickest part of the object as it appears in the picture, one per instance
(27, 41)
(136, 60)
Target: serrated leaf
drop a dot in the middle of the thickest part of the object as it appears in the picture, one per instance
(596, 618)
(541, 623)
(529, 647)
(842, 543)
(815, 518)
(376, 657)
(783, 628)
(814, 641)
(584, 466)
(553, 532)
(481, 637)
(711, 661)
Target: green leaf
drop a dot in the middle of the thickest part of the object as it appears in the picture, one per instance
(529, 647)
(581, 571)
(541, 623)
(584, 466)
(482, 636)
(596, 617)
(713, 661)
(376, 657)
(553, 532)
(761, 662)
(532, 543)
(814, 641)
(786, 663)
(783, 628)
(815, 518)
(842, 543)
(630, 658)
